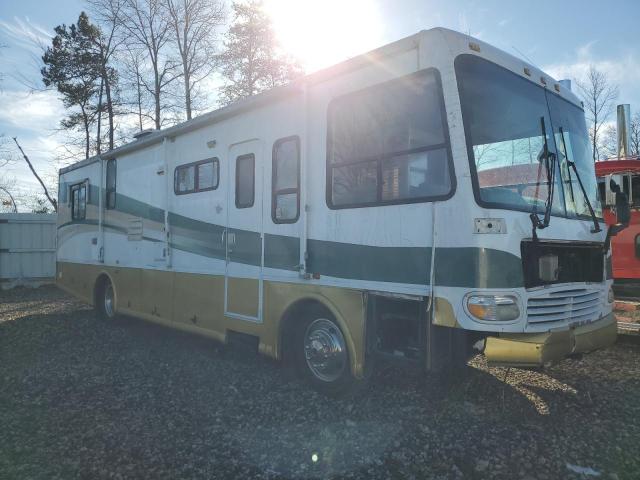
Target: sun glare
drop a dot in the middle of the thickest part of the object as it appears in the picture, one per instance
(323, 32)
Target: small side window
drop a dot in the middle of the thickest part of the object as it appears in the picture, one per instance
(196, 177)
(79, 201)
(111, 184)
(245, 180)
(185, 179)
(637, 246)
(285, 182)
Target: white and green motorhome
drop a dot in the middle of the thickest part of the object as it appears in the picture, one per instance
(411, 203)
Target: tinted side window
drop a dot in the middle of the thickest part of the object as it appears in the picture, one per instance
(245, 180)
(111, 184)
(389, 144)
(196, 177)
(285, 184)
(79, 201)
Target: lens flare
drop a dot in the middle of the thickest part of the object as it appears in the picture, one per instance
(321, 33)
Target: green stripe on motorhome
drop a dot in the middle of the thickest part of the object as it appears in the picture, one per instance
(469, 267)
(365, 262)
(475, 267)
(281, 252)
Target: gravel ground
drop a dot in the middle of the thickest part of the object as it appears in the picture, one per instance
(81, 399)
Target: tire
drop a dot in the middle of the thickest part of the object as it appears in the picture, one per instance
(321, 353)
(105, 302)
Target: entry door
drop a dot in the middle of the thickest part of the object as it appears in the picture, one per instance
(243, 233)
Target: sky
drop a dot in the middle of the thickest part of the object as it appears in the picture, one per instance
(563, 38)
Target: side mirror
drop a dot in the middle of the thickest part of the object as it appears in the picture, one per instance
(623, 211)
(623, 214)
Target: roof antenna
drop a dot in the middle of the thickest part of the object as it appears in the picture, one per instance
(522, 55)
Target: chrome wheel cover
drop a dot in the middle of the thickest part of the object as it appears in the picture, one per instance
(109, 301)
(325, 350)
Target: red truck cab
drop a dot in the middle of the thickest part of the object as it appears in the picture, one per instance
(625, 246)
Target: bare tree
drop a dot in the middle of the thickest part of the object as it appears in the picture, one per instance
(634, 130)
(7, 183)
(136, 97)
(608, 142)
(106, 42)
(599, 96)
(147, 28)
(194, 23)
(52, 200)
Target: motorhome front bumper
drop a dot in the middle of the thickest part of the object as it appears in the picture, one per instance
(536, 350)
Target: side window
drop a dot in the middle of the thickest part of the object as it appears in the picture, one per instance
(245, 180)
(79, 201)
(635, 190)
(207, 175)
(285, 182)
(626, 186)
(389, 144)
(637, 246)
(196, 177)
(111, 184)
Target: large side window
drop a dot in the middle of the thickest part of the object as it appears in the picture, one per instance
(389, 144)
(196, 177)
(111, 184)
(285, 184)
(79, 201)
(245, 180)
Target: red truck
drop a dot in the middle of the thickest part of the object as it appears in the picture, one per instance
(625, 246)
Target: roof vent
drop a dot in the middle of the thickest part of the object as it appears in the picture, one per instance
(143, 133)
(566, 83)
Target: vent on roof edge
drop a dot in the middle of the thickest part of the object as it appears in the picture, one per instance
(143, 133)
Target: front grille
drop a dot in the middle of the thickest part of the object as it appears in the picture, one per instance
(569, 306)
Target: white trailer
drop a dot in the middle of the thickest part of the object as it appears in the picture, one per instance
(397, 204)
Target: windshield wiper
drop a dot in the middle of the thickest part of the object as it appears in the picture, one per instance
(550, 166)
(596, 225)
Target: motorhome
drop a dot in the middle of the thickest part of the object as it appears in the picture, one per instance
(423, 201)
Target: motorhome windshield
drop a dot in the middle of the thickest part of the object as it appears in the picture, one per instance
(502, 113)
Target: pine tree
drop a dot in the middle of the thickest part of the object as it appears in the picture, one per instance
(253, 61)
(71, 65)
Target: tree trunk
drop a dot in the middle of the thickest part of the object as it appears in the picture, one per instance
(139, 102)
(156, 96)
(99, 133)
(157, 99)
(107, 90)
(87, 136)
(595, 137)
(187, 87)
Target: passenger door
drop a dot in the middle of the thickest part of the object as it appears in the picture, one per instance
(243, 233)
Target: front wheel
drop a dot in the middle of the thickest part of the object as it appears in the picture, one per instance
(105, 303)
(322, 353)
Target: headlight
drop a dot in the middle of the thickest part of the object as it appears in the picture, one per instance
(493, 308)
(610, 296)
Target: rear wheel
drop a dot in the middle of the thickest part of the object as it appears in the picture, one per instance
(105, 303)
(322, 354)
